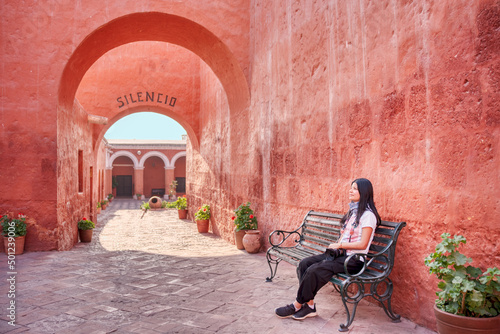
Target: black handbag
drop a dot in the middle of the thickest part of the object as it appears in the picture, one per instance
(334, 253)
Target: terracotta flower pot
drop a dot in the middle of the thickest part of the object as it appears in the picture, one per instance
(85, 235)
(238, 237)
(251, 241)
(182, 214)
(19, 245)
(448, 323)
(202, 225)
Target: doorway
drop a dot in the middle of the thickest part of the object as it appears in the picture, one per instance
(124, 185)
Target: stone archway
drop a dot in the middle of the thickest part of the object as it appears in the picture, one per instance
(163, 27)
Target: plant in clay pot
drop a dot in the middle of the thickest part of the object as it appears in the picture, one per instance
(181, 206)
(173, 189)
(104, 204)
(98, 207)
(202, 217)
(245, 221)
(110, 197)
(467, 294)
(14, 233)
(85, 229)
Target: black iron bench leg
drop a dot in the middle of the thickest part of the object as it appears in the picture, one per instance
(353, 299)
(385, 298)
(271, 262)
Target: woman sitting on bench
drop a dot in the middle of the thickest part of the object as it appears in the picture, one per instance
(358, 226)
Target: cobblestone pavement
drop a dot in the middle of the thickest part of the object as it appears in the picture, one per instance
(159, 275)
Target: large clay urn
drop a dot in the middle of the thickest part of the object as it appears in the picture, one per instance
(202, 225)
(238, 238)
(448, 323)
(155, 202)
(251, 241)
(19, 245)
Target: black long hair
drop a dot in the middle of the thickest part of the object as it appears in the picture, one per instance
(366, 202)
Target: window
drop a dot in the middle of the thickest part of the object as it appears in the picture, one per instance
(80, 171)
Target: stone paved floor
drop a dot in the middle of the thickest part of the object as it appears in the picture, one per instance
(159, 275)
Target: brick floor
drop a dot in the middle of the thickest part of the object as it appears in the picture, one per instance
(159, 275)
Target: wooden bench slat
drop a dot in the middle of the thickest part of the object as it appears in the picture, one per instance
(323, 221)
(335, 230)
(315, 233)
(314, 246)
(325, 214)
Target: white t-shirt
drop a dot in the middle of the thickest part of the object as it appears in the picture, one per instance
(368, 219)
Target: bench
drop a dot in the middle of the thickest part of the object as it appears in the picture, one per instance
(317, 231)
(158, 192)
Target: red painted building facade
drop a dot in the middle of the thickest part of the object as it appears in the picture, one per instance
(284, 104)
(145, 167)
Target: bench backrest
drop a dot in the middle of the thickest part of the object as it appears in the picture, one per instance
(319, 229)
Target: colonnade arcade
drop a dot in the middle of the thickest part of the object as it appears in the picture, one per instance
(138, 161)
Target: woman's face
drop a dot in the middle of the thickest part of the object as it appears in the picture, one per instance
(354, 193)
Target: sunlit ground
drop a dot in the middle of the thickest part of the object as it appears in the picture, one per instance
(158, 231)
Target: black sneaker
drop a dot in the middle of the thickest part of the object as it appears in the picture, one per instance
(305, 312)
(285, 311)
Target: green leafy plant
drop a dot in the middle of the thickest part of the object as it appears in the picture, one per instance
(114, 182)
(203, 213)
(98, 205)
(13, 227)
(170, 205)
(85, 224)
(145, 206)
(464, 290)
(244, 218)
(181, 203)
(138, 195)
(104, 202)
(110, 196)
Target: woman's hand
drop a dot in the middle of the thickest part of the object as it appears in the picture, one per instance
(335, 245)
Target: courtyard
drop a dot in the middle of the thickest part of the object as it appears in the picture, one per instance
(157, 274)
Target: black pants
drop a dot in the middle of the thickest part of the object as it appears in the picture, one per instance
(315, 271)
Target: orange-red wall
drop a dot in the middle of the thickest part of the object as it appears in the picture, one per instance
(285, 103)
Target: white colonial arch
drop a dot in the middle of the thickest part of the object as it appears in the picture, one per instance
(109, 162)
(154, 154)
(177, 156)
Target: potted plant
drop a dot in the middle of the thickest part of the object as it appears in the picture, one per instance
(202, 217)
(85, 229)
(173, 189)
(98, 207)
(114, 184)
(110, 197)
(104, 204)
(14, 233)
(138, 196)
(469, 299)
(246, 223)
(181, 206)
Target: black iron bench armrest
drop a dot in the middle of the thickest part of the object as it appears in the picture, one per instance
(366, 263)
(284, 235)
